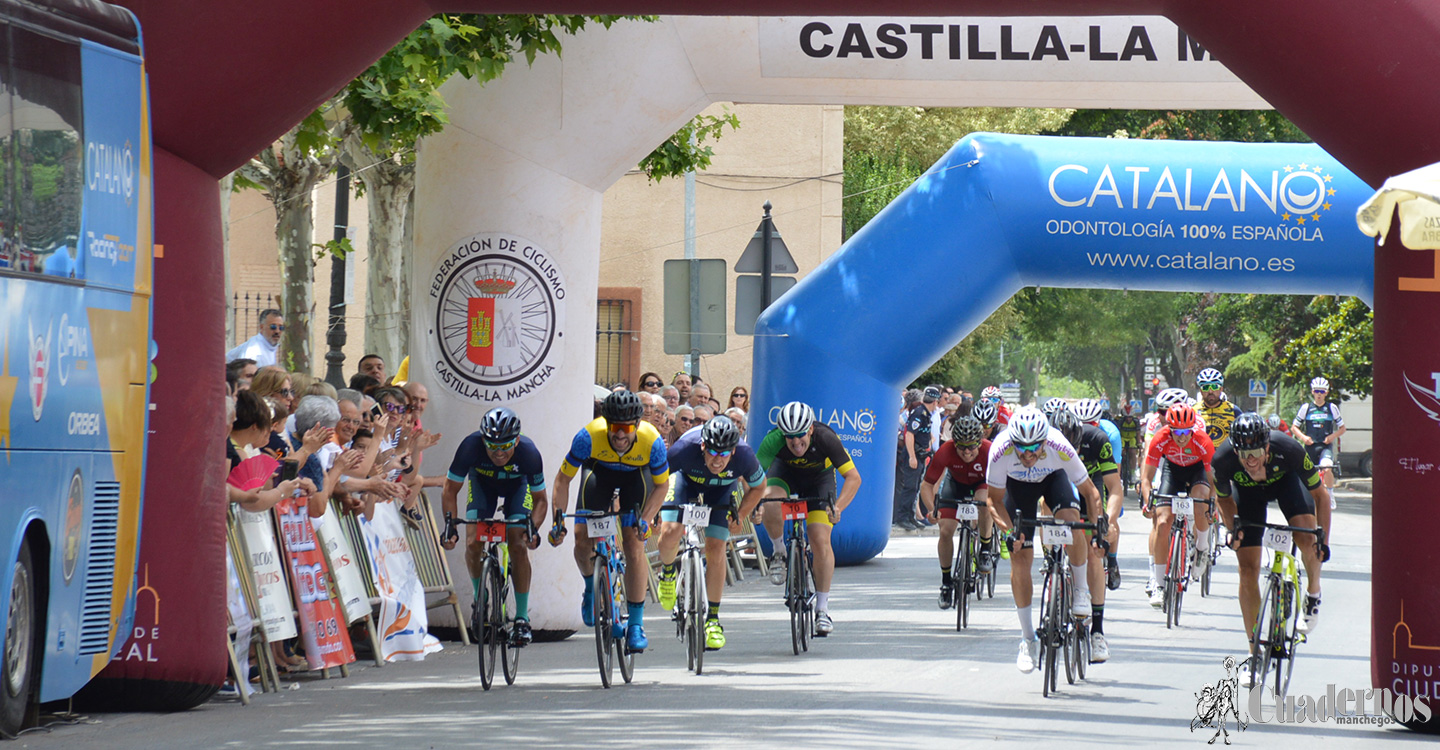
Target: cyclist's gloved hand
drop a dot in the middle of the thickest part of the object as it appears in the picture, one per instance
(1233, 538)
(532, 534)
(1324, 552)
(452, 534)
(1102, 529)
(643, 529)
(557, 528)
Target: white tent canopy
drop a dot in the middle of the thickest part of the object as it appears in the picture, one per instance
(1416, 194)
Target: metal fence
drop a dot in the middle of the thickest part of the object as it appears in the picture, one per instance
(612, 341)
(244, 313)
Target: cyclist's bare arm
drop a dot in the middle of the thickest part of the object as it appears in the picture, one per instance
(927, 497)
(993, 497)
(751, 498)
(852, 485)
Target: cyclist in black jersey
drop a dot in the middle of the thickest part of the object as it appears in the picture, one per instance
(1318, 425)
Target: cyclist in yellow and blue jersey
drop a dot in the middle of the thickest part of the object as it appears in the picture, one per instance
(625, 458)
(1215, 409)
(803, 456)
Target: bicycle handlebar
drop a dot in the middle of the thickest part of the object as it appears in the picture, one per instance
(1318, 530)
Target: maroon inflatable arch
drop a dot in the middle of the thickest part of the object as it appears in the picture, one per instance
(229, 76)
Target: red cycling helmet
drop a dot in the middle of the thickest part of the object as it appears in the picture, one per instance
(1180, 417)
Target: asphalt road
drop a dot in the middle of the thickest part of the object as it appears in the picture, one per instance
(894, 673)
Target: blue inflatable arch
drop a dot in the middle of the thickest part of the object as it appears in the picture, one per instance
(999, 213)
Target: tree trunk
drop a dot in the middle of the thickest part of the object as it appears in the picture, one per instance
(295, 234)
(407, 269)
(389, 186)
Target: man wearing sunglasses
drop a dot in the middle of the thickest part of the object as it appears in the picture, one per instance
(618, 450)
(1318, 425)
(959, 470)
(803, 457)
(707, 466)
(502, 466)
(1030, 461)
(1187, 453)
(1257, 466)
(1215, 408)
(261, 347)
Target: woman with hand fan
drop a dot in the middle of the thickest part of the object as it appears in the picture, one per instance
(251, 470)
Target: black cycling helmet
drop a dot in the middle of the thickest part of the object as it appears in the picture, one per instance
(500, 425)
(622, 406)
(1249, 431)
(1068, 424)
(720, 434)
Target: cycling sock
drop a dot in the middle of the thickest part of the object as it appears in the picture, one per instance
(522, 605)
(985, 541)
(1097, 618)
(1082, 583)
(822, 601)
(1157, 572)
(1202, 540)
(945, 578)
(1027, 628)
(714, 612)
(777, 545)
(670, 571)
(589, 585)
(636, 611)
(475, 582)
(1113, 560)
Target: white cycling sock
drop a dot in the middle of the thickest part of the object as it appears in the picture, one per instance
(822, 601)
(1157, 572)
(1202, 539)
(1027, 627)
(1082, 584)
(777, 545)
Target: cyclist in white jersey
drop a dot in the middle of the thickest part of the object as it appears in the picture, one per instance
(1031, 460)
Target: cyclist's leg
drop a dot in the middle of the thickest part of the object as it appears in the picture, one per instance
(595, 498)
(776, 487)
(670, 527)
(517, 510)
(478, 505)
(1299, 509)
(634, 486)
(946, 546)
(1021, 499)
(1250, 508)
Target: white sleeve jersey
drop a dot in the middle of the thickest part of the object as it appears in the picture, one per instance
(1056, 455)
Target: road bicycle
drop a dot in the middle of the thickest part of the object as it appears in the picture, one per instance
(1182, 551)
(608, 586)
(1276, 635)
(1061, 634)
(691, 599)
(799, 578)
(965, 569)
(492, 616)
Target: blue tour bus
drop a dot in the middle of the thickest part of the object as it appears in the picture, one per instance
(76, 243)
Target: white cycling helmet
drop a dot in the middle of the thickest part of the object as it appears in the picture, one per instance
(1029, 425)
(1319, 384)
(1209, 376)
(1170, 397)
(795, 419)
(1088, 410)
(985, 412)
(1054, 405)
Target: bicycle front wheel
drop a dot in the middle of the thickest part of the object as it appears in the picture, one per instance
(698, 609)
(618, 604)
(1285, 636)
(509, 647)
(1066, 624)
(603, 610)
(488, 602)
(1048, 633)
(795, 596)
(1175, 578)
(961, 577)
(1262, 645)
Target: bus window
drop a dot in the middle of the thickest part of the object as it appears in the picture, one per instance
(47, 155)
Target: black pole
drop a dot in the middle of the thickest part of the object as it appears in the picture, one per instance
(335, 331)
(766, 230)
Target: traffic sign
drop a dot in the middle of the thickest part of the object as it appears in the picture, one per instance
(1258, 389)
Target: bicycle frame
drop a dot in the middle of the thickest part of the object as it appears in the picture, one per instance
(1059, 631)
(1275, 635)
(964, 572)
(691, 599)
(1182, 551)
(492, 617)
(608, 588)
(800, 578)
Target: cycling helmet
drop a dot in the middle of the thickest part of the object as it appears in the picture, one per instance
(500, 425)
(1054, 405)
(1170, 397)
(1028, 426)
(1274, 421)
(1209, 376)
(720, 434)
(795, 419)
(622, 406)
(1319, 384)
(992, 392)
(1088, 410)
(984, 411)
(966, 430)
(1249, 431)
(1181, 417)
(1068, 424)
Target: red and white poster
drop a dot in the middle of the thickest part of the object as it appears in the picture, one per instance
(322, 624)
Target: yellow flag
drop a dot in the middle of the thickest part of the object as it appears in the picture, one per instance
(402, 375)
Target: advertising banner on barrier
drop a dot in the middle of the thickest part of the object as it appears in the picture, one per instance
(322, 623)
(404, 622)
(344, 566)
(275, 607)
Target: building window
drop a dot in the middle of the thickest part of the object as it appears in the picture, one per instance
(613, 333)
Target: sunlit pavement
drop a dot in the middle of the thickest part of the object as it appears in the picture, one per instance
(895, 673)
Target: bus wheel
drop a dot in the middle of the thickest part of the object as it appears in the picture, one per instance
(20, 661)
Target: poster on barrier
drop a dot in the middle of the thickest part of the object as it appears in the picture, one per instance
(344, 565)
(240, 618)
(404, 622)
(276, 618)
(322, 626)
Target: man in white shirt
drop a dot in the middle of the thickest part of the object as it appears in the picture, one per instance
(263, 345)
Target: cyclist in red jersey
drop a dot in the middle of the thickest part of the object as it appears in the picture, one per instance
(958, 469)
(1186, 453)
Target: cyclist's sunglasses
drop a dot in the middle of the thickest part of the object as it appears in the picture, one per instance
(1028, 447)
(621, 427)
(1318, 390)
(1210, 387)
(797, 435)
(1251, 452)
(718, 454)
(967, 446)
(500, 447)
(1183, 432)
